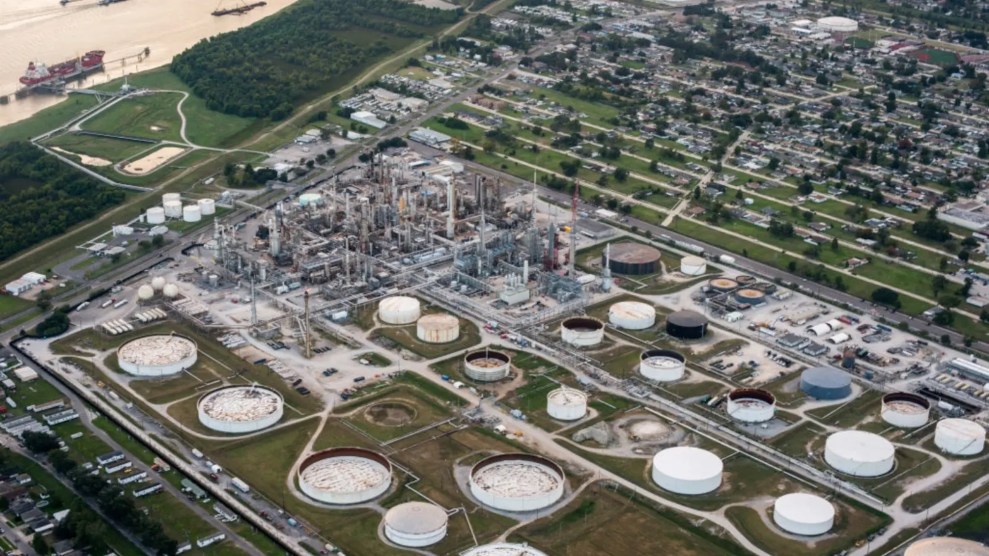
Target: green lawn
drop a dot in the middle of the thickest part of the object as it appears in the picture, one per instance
(152, 116)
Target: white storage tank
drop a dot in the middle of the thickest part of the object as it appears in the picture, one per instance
(582, 331)
(632, 315)
(960, 437)
(517, 482)
(803, 514)
(345, 475)
(170, 291)
(693, 266)
(206, 206)
(905, 410)
(157, 355)
(503, 549)
(158, 283)
(687, 470)
(416, 524)
(751, 405)
(190, 213)
(946, 546)
(487, 365)
(662, 365)
(240, 409)
(145, 292)
(171, 197)
(399, 309)
(438, 329)
(859, 453)
(566, 404)
(155, 215)
(173, 209)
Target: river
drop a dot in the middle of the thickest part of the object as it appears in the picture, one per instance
(44, 31)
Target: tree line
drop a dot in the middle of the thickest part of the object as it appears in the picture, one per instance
(43, 198)
(265, 69)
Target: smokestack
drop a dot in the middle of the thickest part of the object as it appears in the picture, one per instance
(450, 220)
(525, 272)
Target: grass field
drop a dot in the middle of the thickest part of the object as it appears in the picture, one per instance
(404, 337)
(153, 116)
(395, 412)
(605, 522)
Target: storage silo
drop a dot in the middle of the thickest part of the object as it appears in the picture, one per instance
(438, 329)
(173, 209)
(803, 514)
(399, 309)
(693, 266)
(170, 197)
(566, 404)
(687, 470)
(960, 437)
(826, 383)
(416, 524)
(190, 213)
(155, 215)
(686, 325)
(582, 331)
(662, 365)
(859, 453)
(206, 206)
(905, 410)
(632, 315)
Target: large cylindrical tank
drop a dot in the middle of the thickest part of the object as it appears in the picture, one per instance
(566, 404)
(582, 331)
(859, 453)
(946, 546)
(751, 405)
(155, 215)
(170, 197)
(960, 437)
(686, 325)
(487, 365)
(399, 309)
(633, 258)
(206, 206)
(240, 409)
(803, 514)
(826, 383)
(173, 209)
(722, 284)
(416, 524)
(344, 475)
(157, 355)
(632, 315)
(687, 470)
(750, 296)
(503, 549)
(905, 410)
(693, 266)
(662, 365)
(190, 213)
(438, 329)
(517, 482)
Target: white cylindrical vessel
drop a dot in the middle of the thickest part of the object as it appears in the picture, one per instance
(859, 453)
(170, 197)
(503, 549)
(155, 215)
(416, 524)
(687, 470)
(240, 409)
(693, 266)
(155, 356)
(173, 209)
(345, 476)
(960, 437)
(905, 410)
(399, 309)
(190, 213)
(307, 199)
(145, 292)
(438, 329)
(517, 482)
(632, 315)
(487, 365)
(751, 405)
(566, 404)
(206, 206)
(582, 331)
(662, 365)
(803, 514)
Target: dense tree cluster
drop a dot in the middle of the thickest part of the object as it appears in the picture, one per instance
(263, 70)
(56, 323)
(42, 197)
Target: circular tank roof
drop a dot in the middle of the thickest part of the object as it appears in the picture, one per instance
(749, 293)
(156, 350)
(567, 396)
(722, 283)
(632, 310)
(801, 507)
(688, 463)
(416, 518)
(633, 253)
(687, 318)
(691, 260)
(503, 549)
(826, 377)
(441, 321)
(582, 323)
(860, 446)
(946, 546)
(240, 403)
